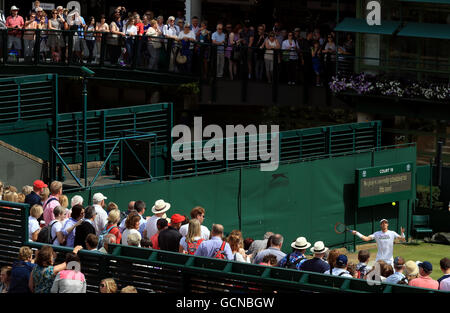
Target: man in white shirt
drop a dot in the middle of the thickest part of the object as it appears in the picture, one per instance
(385, 241)
(100, 221)
(158, 210)
(169, 29)
(196, 213)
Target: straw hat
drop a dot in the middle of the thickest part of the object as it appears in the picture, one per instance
(319, 247)
(160, 207)
(411, 268)
(300, 243)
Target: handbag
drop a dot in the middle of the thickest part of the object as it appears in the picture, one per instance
(181, 59)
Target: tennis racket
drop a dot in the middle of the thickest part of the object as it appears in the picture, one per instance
(340, 228)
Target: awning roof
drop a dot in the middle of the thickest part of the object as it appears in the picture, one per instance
(428, 1)
(358, 25)
(426, 30)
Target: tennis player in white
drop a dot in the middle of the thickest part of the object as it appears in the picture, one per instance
(385, 241)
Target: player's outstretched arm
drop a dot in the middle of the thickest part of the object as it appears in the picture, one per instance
(402, 234)
(365, 238)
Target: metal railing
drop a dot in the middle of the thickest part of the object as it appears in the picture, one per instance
(204, 61)
(293, 145)
(28, 97)
(120, 142)
(403, 68)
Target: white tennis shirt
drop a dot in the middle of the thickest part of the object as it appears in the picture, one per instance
(385, 243)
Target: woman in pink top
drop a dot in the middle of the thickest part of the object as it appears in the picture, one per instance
(70, 280)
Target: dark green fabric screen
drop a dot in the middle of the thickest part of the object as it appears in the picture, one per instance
(299, 199)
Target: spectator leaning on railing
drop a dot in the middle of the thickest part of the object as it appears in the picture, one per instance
(14, 36)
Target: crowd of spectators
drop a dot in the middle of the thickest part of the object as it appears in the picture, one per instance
(95, 227)
(302, 55)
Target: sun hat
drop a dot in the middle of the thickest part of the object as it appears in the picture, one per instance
(411, 268)
(160, 206)
(426, 266)
(319, 247)
(300, 243)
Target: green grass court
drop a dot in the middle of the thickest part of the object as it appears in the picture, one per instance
(419, 251)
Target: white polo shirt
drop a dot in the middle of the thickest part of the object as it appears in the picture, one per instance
(151, 227)
(100, 220)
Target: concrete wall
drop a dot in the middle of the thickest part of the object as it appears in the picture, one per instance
(17, 168)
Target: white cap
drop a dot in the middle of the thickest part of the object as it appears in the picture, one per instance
(77, 199)
(14, 8)
(384, 220)
(98, 197)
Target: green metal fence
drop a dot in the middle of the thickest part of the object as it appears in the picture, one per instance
(28, 97)
(168, 272)
(111, 123)
(293, 145)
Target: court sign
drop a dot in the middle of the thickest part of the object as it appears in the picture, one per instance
(383, 184)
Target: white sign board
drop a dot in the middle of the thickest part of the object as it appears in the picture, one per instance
(45, 6)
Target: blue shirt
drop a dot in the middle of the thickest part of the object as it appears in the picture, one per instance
(142, 224)
(70, 237)
(209, 247)
(293, 257)
(315, 265)
(32, 199)
(276, 252)
(20, 275)
(394, 278)
(219, 38)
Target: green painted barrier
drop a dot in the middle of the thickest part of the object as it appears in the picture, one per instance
(303, 198)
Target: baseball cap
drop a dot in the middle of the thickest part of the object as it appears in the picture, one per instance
(14, 8)
(341, 260)
(426, 266)
(39, 184)
(177, 218)
(98, 197)
(384, 220)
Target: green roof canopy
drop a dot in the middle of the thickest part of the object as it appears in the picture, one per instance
(426, 30)
(359, 25)
(428, 1)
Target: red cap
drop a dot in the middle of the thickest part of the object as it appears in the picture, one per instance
(39, 184)
(177, 218)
